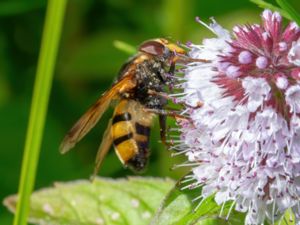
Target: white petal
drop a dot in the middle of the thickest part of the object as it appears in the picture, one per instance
(294, 53)
(292, 97)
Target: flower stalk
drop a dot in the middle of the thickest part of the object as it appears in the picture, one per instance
(46, 64)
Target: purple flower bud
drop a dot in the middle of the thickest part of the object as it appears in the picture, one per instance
(261, 62)
(245, 57)
(233, 71)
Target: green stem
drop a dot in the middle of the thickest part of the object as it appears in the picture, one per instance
(38, 111)
(290, 10)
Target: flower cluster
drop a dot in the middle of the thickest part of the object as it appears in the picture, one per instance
(245, 138)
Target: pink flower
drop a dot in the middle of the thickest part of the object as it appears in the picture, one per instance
(245, 139)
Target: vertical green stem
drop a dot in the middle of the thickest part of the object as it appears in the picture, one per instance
(38, 111)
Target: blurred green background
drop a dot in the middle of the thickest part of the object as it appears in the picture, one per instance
(86, 66)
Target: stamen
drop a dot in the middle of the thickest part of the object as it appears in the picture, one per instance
(199, 204)
(191, 186)
(197, 198)
(291, 218)
(178, 94)
(204, 24)
(222, 209)
(229, 212)
(273, 210)
(176, 166)
(180, 153)
(187, 180)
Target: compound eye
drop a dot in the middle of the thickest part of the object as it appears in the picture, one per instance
(153, 48)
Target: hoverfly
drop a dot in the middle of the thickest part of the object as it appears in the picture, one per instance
(137, 90)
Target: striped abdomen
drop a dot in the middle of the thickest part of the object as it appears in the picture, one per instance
(130, 132)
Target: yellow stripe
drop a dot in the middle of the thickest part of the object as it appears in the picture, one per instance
(121, 128)
(126, 150)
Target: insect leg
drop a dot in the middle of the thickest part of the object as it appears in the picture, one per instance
(174, 114)
(166, 96)
(163, 127)
(161, 94)
(162, 121)
(184, 59)
(172, 68)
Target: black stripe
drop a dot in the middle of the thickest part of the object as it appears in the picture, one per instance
(121, 117)
(123, 138)
(143, 145)
(140, 160)
(141, 129)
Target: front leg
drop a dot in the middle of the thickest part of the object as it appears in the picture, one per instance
(162, 113)
(172, 68)
(168, 97)
(172, 113)
(163, 127)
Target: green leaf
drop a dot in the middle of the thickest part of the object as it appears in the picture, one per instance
(290, 10)
(265, 5)
(179, 208)
(104, 201)
(288, 219)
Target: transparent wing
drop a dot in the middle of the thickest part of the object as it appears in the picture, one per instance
(92, 116)
(103, 148)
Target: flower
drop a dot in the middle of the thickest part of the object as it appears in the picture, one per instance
(244, 140)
